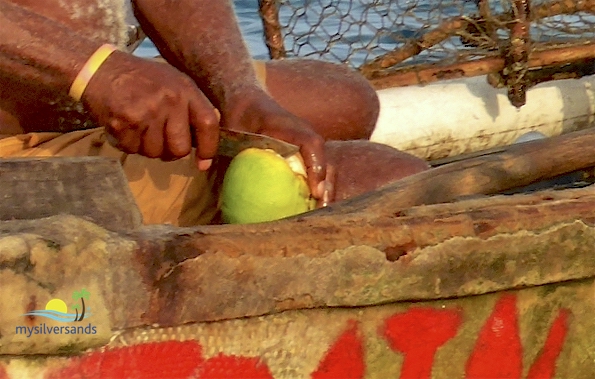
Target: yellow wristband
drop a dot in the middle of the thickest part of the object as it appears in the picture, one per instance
(89, 69)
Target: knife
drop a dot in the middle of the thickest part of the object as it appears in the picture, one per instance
(465, 156)
(232, 142)
(482, 153)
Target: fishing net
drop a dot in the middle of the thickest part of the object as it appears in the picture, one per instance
(418, 41)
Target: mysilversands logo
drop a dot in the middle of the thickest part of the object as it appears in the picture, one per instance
(56, 309)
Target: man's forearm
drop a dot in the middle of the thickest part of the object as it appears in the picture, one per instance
(201, 38)
(36, 51)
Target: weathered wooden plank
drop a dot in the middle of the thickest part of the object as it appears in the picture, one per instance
(515, 166)
(90, 187)
(544, 330)
(438, 251)
(524, 260)
(172, 276)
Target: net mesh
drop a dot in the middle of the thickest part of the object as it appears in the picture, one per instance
(380, 36)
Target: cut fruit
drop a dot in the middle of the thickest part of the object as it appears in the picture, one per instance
(261, 186)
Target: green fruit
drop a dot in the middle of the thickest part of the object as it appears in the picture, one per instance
(260, 186)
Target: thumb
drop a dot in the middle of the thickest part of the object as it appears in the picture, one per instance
(312, 150)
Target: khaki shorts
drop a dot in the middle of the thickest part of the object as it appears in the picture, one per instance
(166, 192)
(174, 193)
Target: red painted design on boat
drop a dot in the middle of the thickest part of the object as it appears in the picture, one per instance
(498, 351)
(418, 333)
(345, 358)
(545, 363)
(233, 367)
(171, 360)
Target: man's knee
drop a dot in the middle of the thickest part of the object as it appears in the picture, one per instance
(360, 100)
(338, 101)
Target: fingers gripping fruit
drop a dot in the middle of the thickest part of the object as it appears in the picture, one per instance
(260, 186)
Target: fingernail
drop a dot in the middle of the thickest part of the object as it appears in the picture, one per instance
(325, 198)
(326, 195)
(320, 189)
(204, 164)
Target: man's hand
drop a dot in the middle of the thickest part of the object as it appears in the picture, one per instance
(152, 109)
(202, 39)
(256, 112)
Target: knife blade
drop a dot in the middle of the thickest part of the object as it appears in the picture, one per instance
(232, 142)
(465, 156)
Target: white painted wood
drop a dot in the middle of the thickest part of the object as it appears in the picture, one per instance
(464, 115)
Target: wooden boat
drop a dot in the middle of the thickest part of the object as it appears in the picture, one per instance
(409, 281)
(488, 287)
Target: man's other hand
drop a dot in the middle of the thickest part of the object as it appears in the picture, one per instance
(258, 113)
(152, 109)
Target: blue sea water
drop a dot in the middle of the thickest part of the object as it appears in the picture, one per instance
(358, 30)
(250, 24)
(343, 22)
(345, 19)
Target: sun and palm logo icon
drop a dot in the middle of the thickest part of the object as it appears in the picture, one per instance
(56, 309)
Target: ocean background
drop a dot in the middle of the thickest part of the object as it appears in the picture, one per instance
(250, 24)
(386, 26)
(356, 32)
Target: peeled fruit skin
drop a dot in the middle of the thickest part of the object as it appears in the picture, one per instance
(260, 186)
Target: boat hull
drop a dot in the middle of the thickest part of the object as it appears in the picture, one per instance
(464, 115)
(501, 287)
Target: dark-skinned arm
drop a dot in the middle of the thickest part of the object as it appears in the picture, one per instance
(149, 108)
(202, 39)
(39, 51)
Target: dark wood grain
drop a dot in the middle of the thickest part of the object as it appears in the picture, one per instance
(94, 188)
